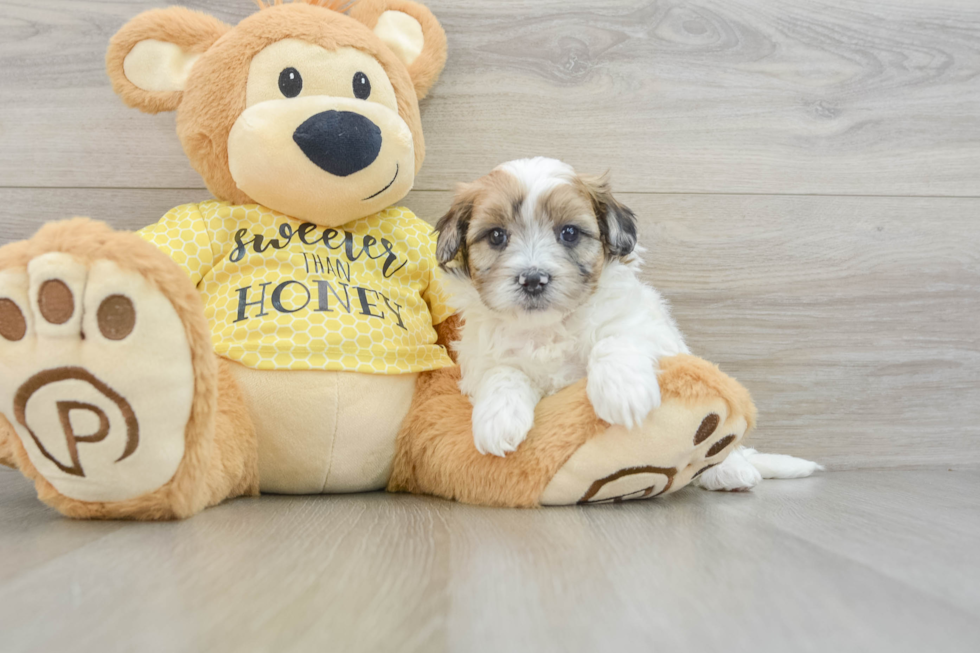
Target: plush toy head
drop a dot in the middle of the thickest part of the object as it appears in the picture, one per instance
(301, 108)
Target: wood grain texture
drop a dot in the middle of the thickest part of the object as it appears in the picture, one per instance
(851, 561)
(794, 96)
(853, 320)
(24, 211)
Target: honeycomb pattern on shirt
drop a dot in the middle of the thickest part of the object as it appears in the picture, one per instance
(283, 294)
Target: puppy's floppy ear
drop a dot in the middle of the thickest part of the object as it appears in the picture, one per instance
(412, 32)
(453, 228)
(150, 58)
(617, 223)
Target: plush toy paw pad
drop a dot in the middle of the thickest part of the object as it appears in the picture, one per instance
(709, 429)
(95, 376)
(13, 325)
(676, 444)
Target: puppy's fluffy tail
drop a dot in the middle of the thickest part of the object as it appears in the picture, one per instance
(774, 465)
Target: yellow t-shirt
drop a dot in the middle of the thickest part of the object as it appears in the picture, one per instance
(283, 294)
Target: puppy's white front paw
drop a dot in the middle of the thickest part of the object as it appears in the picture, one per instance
(623, 393)
(501, 423)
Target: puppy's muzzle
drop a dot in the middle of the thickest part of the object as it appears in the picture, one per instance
(340, 142)
(533, 282)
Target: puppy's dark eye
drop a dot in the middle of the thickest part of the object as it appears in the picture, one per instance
(362, 86)
(290, 82)
(569, 234)
(497, 238)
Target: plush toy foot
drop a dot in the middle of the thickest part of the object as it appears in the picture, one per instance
(702, 418)
(571, 456)
(109, 384)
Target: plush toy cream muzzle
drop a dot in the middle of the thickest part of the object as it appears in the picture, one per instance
(291, 335)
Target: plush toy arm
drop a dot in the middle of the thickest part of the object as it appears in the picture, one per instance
(182, 234)
(435, 295)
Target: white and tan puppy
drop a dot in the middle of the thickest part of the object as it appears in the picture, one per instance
(543, 269)
(542, 263)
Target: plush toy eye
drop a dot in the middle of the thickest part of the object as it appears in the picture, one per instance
(290, 82)
(569, 234)
(497, 238)
(362, 86)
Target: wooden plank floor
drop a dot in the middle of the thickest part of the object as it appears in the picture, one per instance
(846, 561)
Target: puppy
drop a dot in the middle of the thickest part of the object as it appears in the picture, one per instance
(542, 264)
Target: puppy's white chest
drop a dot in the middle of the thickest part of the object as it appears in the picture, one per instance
(552, 360)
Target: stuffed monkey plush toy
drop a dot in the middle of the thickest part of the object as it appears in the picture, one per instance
(290, 336)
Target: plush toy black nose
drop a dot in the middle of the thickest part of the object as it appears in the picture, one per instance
(533, 282)
(340, 142)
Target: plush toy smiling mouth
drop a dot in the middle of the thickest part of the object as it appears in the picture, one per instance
(390, 184)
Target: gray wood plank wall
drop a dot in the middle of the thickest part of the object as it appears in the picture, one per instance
(807, 176)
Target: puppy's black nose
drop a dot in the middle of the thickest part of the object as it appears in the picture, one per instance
(533, 282)
(340, 142)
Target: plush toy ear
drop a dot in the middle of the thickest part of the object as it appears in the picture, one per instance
(150, 58)
(452, 229)
(411, 32)
(617, 223)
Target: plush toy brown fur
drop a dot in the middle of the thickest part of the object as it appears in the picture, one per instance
(177, 59)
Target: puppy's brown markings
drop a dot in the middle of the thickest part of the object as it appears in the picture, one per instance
(570, 205)
(471, 214)
(452, 229)
(617, 223)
